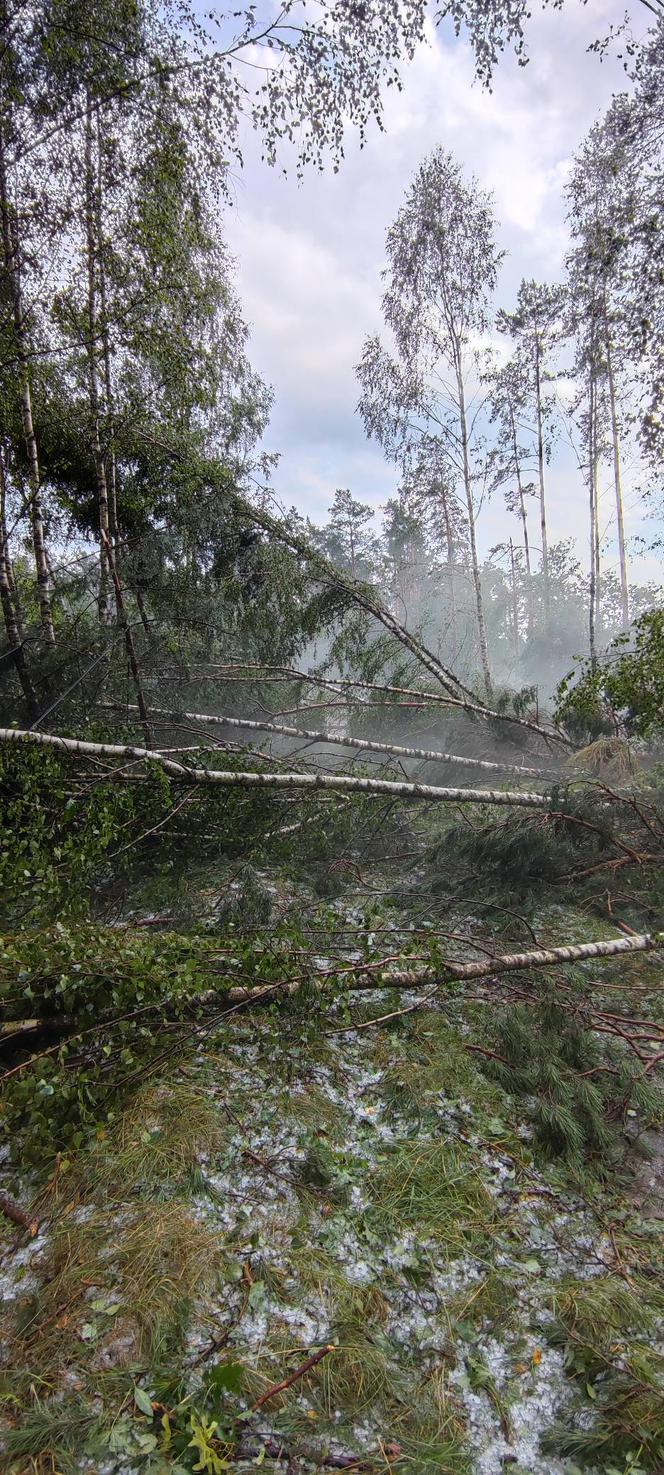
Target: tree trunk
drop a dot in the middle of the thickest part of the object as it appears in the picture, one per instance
(104, 601)
(106, 351)
(13, 273)
(451, 554)
(477, 581)
(280, 729)
(10, 610)
(592, 498)
(515, 604)
(542, 488)
(524, 519)
(228, 778)
(617, 474)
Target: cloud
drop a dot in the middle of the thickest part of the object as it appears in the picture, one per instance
(310, 255)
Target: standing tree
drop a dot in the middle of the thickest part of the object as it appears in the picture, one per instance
(345, 539)
(425, 404)
(535, 327)
(511, 459)
(600, 205)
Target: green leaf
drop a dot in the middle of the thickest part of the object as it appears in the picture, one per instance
(144, 1402)
(226, 1377)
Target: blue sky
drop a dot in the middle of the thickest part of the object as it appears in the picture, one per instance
(310, 255)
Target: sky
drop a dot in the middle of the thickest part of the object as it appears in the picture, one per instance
(309, 255)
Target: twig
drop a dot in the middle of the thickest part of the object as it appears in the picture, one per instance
(294, 1377)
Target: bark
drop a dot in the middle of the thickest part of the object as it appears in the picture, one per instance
(129, 641)
(592, 499)
(91, 215)
(422, 697)
(106, 351)
(542, 486)
(524, 519)
(468, 487)
(617, 473)
(337, 783)
(425, 755)
(374, 976)
(13, 275)
(17, 1215)
(10, 609)
(515, 603)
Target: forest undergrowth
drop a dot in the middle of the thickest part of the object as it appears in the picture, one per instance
(274, 1218)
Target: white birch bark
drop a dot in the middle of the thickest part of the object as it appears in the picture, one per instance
(336, 783)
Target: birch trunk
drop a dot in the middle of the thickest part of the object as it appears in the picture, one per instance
(617, 473)
(335, 783)
(91, 211)
(10, 610)
(542, 486)
(13, 274)
(361, 744)
(468, 487)
(375, 976)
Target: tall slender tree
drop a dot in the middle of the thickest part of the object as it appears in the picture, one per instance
(512, 459)
(442, 269)
(534, 327)
(600, 205)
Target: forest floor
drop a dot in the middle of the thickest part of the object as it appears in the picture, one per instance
(296, 1185)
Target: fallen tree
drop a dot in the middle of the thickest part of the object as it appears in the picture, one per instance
(428, 755)
(360, 594)
(376, 975)
(340, 783)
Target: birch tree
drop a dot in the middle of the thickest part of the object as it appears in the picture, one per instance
(508, 389)
(425, 401)
(600, 204)
(534, 327)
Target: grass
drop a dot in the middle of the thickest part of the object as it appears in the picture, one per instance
(51, 1437)
(156, 1148)
(609, 1330)
(428, 1184)
(151, 1262)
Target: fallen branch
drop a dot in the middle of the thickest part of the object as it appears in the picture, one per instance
(428, 755)
(341, 783)
(294, 1377)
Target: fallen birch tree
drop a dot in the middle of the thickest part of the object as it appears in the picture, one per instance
(338, 684)
(339, 783)
(375, 975)
(396, 750)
